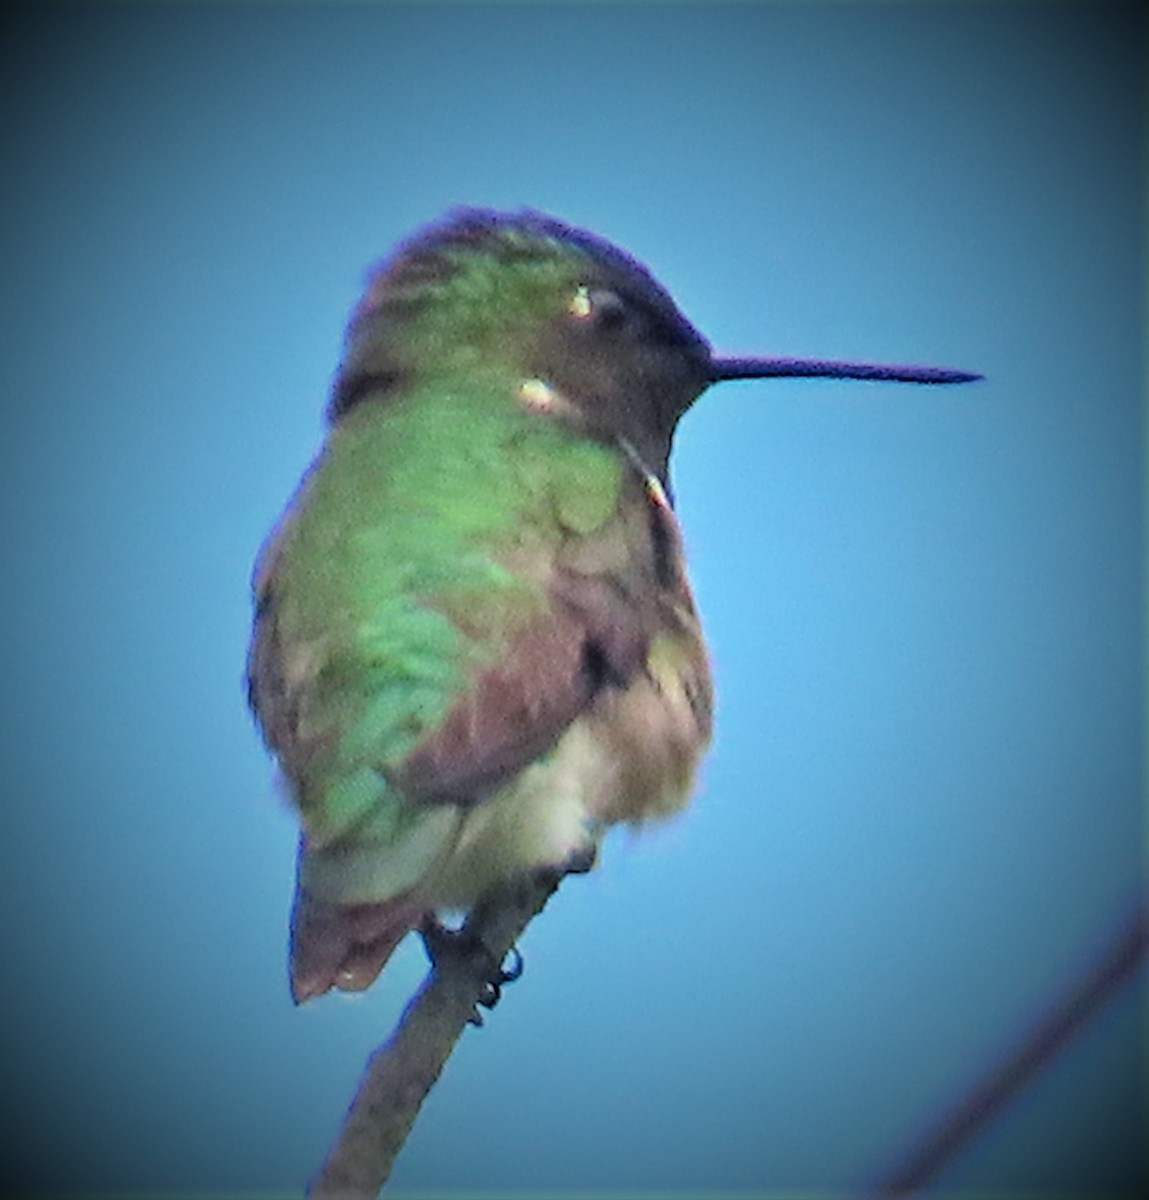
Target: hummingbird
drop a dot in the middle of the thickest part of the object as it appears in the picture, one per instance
(475, 647)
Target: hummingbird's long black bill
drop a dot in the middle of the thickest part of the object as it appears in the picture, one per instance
(827, 368)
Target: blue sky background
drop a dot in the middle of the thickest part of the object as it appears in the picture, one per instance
(923, 809)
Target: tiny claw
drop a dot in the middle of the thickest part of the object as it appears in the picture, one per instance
(509, 975)
(493, 987)
(443, 943)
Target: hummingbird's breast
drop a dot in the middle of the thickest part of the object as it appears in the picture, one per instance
(632, 758)
(632, 751)
(476, 650)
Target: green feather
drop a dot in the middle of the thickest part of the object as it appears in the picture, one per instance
(392, 578)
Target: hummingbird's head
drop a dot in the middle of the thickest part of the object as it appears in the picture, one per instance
(540, 303)
(582, 328)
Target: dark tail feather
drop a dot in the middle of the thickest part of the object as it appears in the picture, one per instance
(344, 946)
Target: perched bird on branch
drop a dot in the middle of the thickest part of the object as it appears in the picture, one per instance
(475, 647)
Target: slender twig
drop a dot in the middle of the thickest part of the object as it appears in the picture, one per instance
(401, 1072)
(982, 1103)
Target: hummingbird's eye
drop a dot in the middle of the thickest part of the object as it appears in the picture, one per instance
(600, 306)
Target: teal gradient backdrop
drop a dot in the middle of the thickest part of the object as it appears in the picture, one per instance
(924, 805)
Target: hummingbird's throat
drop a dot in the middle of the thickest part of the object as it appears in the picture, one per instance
(538, 396)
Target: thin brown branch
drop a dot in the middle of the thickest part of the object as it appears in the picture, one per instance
(401, 1072)
(1072, 1011)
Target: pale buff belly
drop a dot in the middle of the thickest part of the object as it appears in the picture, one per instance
(630, 758)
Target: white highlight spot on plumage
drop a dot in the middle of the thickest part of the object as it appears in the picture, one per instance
(656, 491)
(537, 394)
(580, 303)
(654, 488)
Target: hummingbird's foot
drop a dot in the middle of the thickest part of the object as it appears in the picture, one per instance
(462, 946)
(493, 987)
